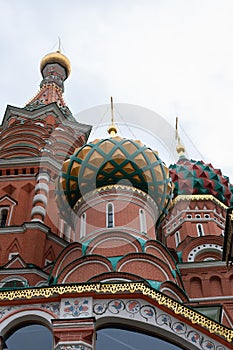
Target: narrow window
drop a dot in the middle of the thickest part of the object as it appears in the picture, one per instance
(200, 230)
(83, 225)
(142, 219)
(110, 215)
(3, 217)
(177, 238)
(66, 231)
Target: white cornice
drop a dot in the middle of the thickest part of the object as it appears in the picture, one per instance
(202, 264)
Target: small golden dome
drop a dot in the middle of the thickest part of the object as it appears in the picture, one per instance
(56, 57)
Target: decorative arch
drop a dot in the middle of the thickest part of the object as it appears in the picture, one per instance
(17, 318)
(204, 251)
(148, 266)
(115, 277)
(157, 249)
(216, 285)
(82, 269)
(164, 326)
(22, 282)
(196, 289)
(174, 291)
(72, 252)
(113, 244)
(110, 337)
(195, 246)
(29, 336)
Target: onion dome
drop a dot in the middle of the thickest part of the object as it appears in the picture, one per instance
(114, 161)
(56, 57)
(196, 177)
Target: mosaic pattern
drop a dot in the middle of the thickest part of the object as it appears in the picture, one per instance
(78, 307)
(196, 177)
(139, 311)
(73, 347)
(52, 307)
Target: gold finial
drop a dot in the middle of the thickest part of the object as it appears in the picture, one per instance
(180, 147)
(112, 130)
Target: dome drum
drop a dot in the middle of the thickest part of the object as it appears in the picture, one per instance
(128, 205)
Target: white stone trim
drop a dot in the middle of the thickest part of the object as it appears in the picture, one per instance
(42, 186)
(38, 210)
(203, 247)
(43, 176)
(40, 198)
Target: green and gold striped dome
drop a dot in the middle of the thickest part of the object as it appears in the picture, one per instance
(114, 161)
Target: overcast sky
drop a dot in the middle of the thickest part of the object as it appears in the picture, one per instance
(172, 57)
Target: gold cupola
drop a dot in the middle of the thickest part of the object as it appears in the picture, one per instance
(56, 57)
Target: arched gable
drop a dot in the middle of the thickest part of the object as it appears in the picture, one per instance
(145, 266)
(113, 244)
(72, 252)
(82, 269)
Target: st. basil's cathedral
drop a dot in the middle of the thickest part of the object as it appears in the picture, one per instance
(100, 236)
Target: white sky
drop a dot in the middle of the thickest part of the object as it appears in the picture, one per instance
(172, 57)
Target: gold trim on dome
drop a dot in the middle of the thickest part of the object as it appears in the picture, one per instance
(199, 197)
(112, 187)
(56, 57)
(130, 287)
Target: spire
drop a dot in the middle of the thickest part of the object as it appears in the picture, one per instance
(112, 130)
(180, 147)
(59, 44)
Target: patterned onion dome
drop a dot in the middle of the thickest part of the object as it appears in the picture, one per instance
(196, 177)
(114, 161)
(56, 57)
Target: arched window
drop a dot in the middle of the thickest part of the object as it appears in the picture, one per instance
(177, 238)
(200, 230)
(110, 215)
(83, 225)
(3, 216)
(33, 336)
(142, 219)
(14, 282)
(125, 339)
